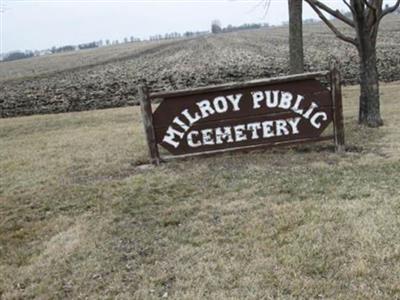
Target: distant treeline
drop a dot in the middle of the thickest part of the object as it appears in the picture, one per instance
(216, 27)
(177, 35)
(231, 28)
(16, 55)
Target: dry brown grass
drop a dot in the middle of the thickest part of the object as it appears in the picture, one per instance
(79, 219)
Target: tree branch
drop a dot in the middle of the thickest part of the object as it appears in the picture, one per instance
(267, 4)
(374, 10)
(369, 5)
(336, 13)
(390, 9)
(349, 6)
(330, 25)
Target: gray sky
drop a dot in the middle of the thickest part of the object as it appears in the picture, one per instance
(41, 24)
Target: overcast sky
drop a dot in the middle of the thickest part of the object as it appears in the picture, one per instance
(41, 24)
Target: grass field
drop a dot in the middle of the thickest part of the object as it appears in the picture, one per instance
(81, 217)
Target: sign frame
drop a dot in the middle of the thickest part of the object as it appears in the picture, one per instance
(333, 77)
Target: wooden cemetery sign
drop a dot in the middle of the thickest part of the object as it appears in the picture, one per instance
(276, 111)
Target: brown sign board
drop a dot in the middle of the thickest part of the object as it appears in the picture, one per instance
(259, 113)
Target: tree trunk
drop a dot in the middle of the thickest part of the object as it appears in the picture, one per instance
(369, 113)
(296, 36)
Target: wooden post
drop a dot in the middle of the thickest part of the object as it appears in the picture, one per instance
(336, 91)
(147, 116)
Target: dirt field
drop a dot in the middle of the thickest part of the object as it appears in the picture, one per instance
(107, 77)
(80, 218)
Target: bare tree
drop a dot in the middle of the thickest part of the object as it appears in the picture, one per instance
(296, 52)
(296, 36)
(366, 17)
(216, 26)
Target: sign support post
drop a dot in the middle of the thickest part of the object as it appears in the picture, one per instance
(336, 90)
(147, 116)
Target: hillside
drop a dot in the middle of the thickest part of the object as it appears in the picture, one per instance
(81, 217)
(107, 77)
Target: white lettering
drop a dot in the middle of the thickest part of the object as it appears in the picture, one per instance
(294, 123)
(223, 135)
(182, 124)
(310, 110)
(190, 139)
(281, 128)
(220, 104)
(257, 98)
(254, 127)
(190, 118)
(317, 115)
(273, 101)
(286, 100)
(239, 134)
(207, 137)
(296, 106)
(235, 101)
(170, 136)
(242, 132)
(267, 129)
(205, 108)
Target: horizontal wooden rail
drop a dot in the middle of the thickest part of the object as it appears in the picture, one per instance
(233, 85)
(249, 148)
